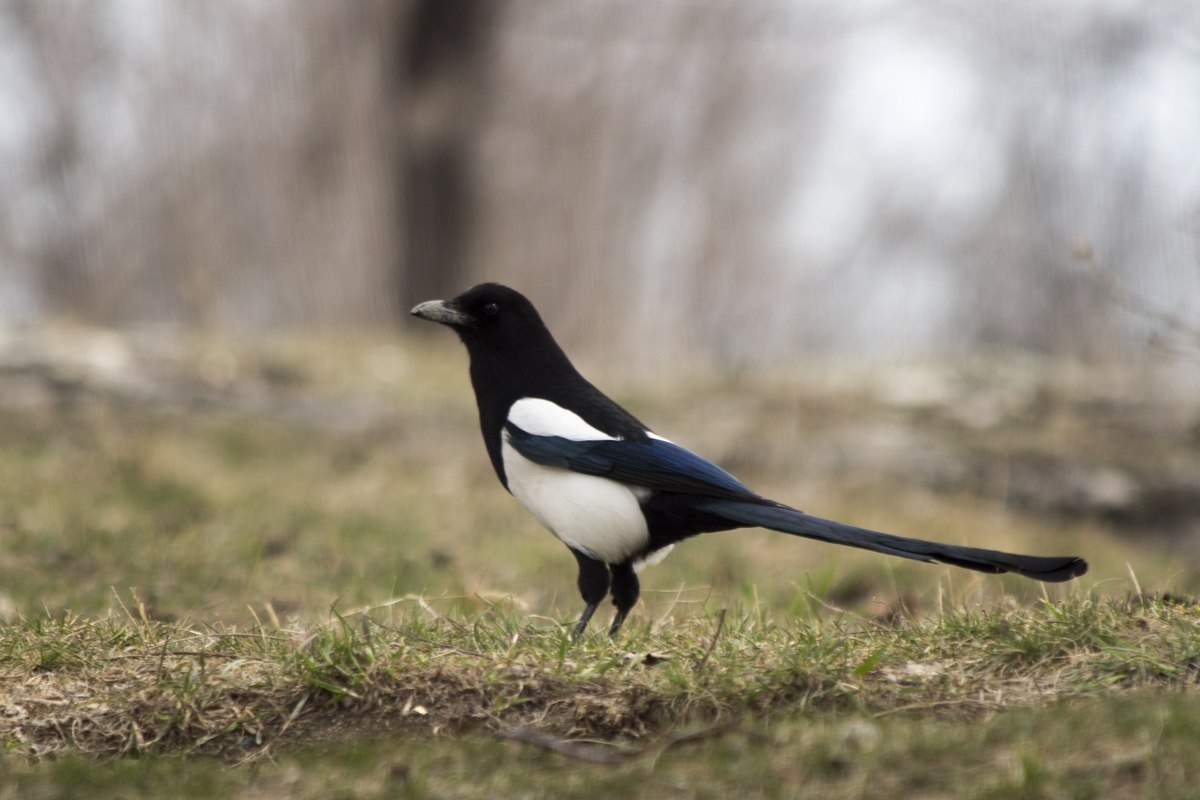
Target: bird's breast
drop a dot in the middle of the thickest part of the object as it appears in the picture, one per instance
(597, 516)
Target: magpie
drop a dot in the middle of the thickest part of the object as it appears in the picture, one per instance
(614, 492)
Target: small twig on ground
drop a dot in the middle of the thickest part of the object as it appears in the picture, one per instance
(421, 603)
(581, 751)
(713, 643)
(426, 640)
(595, 753)
(287, 723)
(164, 654)
(965, 703)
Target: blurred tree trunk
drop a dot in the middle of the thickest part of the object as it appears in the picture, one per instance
(67, 52)
(441, 75)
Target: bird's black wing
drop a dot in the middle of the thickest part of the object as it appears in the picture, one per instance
(655, 464)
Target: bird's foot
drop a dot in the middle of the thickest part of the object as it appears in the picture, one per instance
(584, 618)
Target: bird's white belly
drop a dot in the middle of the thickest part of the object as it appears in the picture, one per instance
(597, 516)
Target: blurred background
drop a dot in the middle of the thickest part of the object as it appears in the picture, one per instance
(798, 200)
(735, 182)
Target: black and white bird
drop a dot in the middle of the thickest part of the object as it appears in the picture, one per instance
(614, 492)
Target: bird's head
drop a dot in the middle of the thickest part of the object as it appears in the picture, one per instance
(489, 316)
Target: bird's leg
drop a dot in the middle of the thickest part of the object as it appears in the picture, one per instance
(593, 585)
(625, 591)
(581, 626)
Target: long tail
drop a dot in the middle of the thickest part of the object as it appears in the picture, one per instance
(797, 523)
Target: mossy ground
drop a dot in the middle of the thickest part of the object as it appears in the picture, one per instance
(286, 570)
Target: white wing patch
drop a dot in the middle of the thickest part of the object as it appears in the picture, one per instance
(544, 418)
(597, 516)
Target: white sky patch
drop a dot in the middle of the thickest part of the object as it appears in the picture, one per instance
(905, 129)
(1159, 116)
(911, 301)
(22, 106)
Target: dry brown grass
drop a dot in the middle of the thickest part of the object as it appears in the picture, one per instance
(123, 685)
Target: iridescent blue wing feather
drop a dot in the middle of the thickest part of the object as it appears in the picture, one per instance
(655, 463)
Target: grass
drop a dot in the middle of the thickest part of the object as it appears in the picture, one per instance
(262, 579)
(1097, 692)
(127, 684)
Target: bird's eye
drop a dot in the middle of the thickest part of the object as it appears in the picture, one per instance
(491, 309)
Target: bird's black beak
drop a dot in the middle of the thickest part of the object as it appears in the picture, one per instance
(442, 311)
